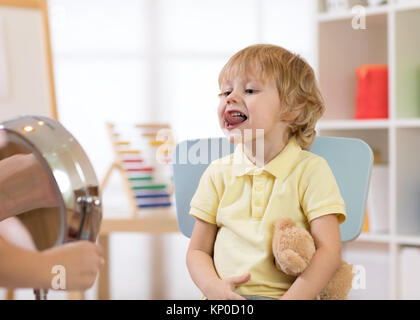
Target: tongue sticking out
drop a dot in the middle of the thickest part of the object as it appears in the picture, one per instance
(235, 118)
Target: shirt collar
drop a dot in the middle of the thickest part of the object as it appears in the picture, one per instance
(279, 166)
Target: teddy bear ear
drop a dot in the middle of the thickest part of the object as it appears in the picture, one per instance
(285, 222)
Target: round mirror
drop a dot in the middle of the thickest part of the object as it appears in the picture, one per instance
(71, 206)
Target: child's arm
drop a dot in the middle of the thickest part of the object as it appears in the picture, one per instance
(201, 267)
(325, 262)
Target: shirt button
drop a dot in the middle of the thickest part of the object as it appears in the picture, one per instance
(257, 203)
(259, 187)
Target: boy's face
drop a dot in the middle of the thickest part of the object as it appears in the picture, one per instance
(248, 103)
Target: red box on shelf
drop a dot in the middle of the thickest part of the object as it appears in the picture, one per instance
(372, 92)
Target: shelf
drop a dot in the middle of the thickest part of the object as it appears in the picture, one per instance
(410, 5)
(148, 225)
(367, 124)
(370, 11)
(408, 240)
(348, 14)
(337, 66)
(149, 220)
(386, 238)
(407, 64)
(373, 261)
(353, 124)
(407, 123)
(407, 184)
(390, 38)
(374, 238)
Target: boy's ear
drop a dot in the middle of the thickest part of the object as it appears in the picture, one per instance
(290, 116)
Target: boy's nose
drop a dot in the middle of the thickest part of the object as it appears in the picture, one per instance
(232, 98)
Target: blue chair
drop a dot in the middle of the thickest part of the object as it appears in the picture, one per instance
(349, 159)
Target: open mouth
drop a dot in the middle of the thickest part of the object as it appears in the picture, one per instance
(234, 118)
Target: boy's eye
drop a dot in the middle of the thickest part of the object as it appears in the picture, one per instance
(250, 91)
(224, 93)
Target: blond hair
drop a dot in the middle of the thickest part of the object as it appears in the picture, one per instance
(295, 80)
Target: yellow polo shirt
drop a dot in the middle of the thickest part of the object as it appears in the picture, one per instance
(245, 201)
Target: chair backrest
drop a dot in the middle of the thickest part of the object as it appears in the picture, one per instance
(349, 159)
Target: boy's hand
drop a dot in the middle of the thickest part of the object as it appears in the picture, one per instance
(225, 289)
(82, 261)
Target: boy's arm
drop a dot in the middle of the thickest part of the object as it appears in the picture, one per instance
(325, 262)
(200, 254)
(201, 267)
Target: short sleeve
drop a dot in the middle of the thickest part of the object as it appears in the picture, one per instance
(205, 201)
(319, 192)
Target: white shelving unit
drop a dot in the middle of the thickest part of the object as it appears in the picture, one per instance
(391, 37)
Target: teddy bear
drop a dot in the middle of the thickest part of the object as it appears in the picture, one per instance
(293, 248)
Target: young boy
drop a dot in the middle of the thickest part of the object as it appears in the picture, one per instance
(269, 101)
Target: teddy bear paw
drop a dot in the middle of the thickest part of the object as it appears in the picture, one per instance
(290, 262)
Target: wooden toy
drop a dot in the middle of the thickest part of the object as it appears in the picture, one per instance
(146, 172)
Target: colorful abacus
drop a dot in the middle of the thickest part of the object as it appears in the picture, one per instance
(147, 181)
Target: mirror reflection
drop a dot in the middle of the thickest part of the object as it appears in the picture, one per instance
(29, 212)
